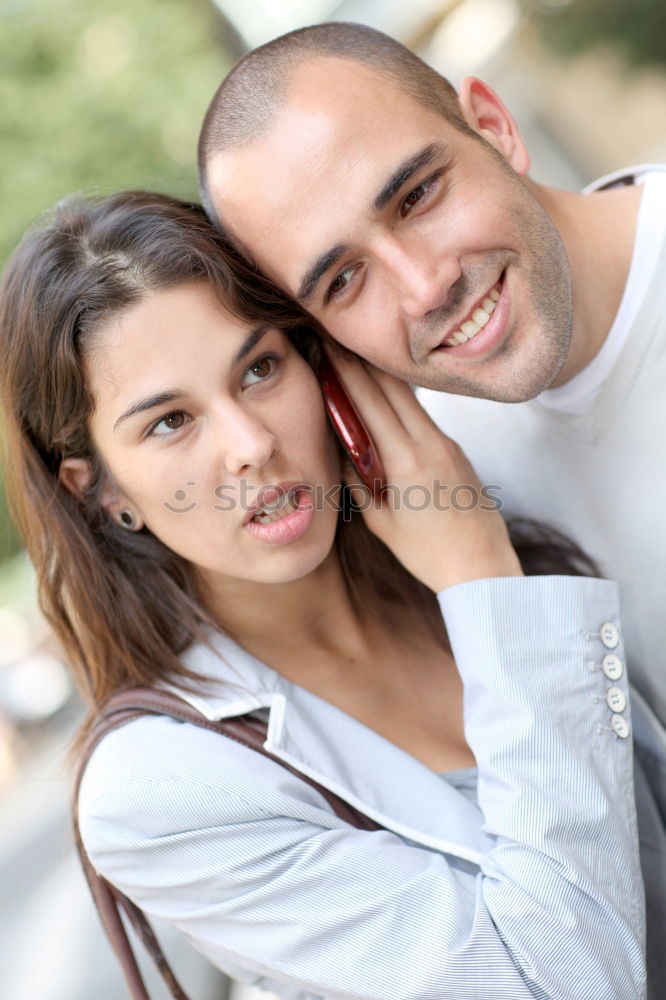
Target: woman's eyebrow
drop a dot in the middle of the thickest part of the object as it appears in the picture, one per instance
(249, 344)
(171, 395)
(148, 402)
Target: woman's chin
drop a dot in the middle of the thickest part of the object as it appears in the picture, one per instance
(292, 566)
(283, 564)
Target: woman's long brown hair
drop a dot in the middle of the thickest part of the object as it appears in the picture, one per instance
(122, 605)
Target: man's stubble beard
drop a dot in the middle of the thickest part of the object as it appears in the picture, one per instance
(532, 364)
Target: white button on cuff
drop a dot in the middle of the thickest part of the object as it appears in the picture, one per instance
(612, 666)
(616, 699)
(609, 635)
(620, 726)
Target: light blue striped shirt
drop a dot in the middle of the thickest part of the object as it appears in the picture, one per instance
(532, 890)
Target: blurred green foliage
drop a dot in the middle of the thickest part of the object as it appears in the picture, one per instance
(95, 96)
(637, 27)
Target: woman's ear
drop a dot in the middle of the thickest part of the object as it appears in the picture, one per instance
(76, 475)
(488, 115)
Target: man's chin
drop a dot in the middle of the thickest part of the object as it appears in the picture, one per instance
(513, 384)
(511, 374)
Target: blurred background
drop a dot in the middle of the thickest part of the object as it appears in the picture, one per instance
(98, 95)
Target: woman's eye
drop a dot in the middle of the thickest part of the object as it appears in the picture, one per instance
(172, 422)
(260, 370)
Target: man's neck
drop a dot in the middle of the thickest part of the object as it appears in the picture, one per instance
(598, 232)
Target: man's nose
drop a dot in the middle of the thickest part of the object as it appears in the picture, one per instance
(420, 275)
(248, 443)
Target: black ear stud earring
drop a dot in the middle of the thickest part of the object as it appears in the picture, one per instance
(127, 519)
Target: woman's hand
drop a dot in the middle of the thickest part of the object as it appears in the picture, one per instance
(438, 541)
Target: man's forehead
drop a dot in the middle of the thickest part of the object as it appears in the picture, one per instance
(328, 105)
(273, 193)
(325, 79)
(289, 189)
(305, 130)
(292, 192)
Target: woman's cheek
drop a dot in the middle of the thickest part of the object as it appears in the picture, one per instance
(322, 432)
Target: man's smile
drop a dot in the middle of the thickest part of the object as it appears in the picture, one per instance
(477, 317)
(484, 326)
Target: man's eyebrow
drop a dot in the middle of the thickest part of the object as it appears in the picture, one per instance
(314, 274)
(169, 396)
(406, 170)
(400, 176)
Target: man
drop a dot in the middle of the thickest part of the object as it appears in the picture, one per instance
(401, 216)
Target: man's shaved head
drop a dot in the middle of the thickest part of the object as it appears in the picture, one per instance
(248, 99)
(357, 180)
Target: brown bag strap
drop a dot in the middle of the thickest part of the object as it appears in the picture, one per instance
(121, 708)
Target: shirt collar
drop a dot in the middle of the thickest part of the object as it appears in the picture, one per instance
(338, 751)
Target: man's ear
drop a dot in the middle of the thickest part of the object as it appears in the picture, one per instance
(488, 115)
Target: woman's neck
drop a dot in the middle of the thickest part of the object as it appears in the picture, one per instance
(388, 672)
(316, 612)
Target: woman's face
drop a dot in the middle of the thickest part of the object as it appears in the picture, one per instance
(197, 415)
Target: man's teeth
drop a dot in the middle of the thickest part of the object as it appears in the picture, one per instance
(273, 512)
(478, 320)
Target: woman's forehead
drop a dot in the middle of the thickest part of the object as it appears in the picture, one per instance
(168, 315)
(183, 331)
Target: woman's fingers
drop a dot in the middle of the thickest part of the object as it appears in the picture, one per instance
(409, 444)
(398, 393)
(377, 412)
(440, 541)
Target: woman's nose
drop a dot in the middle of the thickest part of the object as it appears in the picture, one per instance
(248, 443)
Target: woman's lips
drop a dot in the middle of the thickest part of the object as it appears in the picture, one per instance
(489, 335)
(290, 527)
(274, 496)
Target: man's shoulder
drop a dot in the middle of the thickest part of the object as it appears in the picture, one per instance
(635, 174)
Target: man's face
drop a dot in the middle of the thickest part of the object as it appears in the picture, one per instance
(402, 235)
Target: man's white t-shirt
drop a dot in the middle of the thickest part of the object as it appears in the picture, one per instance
(576, 395)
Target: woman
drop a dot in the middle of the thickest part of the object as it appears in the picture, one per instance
(178, 488)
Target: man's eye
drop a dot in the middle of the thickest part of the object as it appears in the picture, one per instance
(422, 193)
(172, 422)
(261, 369)
(413, 198)
(340, 283)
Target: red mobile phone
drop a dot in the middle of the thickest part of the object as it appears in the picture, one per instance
(350, 429)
